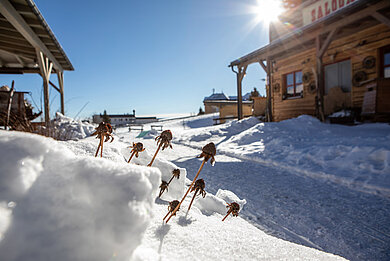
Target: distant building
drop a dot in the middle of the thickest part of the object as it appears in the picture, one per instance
(226, 106)
(124, 119)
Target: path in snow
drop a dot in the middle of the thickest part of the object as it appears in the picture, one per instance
(300, 209)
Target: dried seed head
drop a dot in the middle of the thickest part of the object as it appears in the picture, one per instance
(199, 184)
(208, 152)
(210, 149)
(164, 185)
(166, 136)
(176, 173)
(138, 146)
(173, 205)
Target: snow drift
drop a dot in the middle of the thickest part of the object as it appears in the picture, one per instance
(56, 206)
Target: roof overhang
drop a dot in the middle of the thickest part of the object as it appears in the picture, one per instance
(23, 31)
(358, 14)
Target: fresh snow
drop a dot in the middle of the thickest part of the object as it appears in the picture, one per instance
(324, 188)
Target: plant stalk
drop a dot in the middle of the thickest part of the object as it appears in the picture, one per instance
(177, 207)
(155, 154)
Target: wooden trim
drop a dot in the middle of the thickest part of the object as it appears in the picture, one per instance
(261, 62)
(381, 18)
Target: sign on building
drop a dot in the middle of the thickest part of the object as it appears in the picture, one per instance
(323, 8)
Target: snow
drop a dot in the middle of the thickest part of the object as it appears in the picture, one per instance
(70, 129)
(63, 207)
(306, 190)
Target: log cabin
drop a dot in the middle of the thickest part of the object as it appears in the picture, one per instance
(324, 56)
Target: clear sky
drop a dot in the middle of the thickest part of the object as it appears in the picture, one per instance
(154, 56)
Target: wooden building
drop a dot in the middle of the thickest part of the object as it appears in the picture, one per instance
(324, 56)
(27, 45)
(226, 106)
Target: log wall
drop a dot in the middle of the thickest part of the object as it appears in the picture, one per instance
(355, 47)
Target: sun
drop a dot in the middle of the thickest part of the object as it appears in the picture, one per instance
(267, 11)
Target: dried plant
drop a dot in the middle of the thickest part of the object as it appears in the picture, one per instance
(198, 187)
(172, 205)
(208, 152)
(234, 208)
(175, 174)
(163, 187)
(164, 141)
(103, 132)
(136, 148)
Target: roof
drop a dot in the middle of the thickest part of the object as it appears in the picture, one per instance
(22, 30)
(216, 96)
(227, 102)
(244, 98)
(299, 37)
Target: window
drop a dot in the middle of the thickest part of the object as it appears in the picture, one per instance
(385, 63)
(293, 83)
(338, 75)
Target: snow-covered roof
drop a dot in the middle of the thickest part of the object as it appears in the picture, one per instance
(244, 98)
(216, 96)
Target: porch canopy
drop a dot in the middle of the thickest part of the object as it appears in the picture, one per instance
(27, 45)
(359, 15)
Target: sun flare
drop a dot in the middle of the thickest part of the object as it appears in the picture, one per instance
(267, 11)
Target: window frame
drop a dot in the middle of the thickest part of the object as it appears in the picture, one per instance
(384, 50)
(294, 85)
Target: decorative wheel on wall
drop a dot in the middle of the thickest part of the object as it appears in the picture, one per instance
(276, 87)
(369, 62)
(359, 77)
(306, 77)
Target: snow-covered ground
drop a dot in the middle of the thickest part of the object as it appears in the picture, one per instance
(305, 188)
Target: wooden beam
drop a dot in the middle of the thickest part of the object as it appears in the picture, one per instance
(240, 76)
(261, 62)
(381, 18)
(45, 67)
(18, 70)
(60, 76)
(55, 87)
(320, 81)
(327, 42)
(269, 93)
(17, 57)
(22, 8)
(8, 11)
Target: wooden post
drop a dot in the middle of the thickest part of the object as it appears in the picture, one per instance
(240, 76)
(60, 76)
(45, 66)
(269, 84)
(320, 51)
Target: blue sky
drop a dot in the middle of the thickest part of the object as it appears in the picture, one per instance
(157, 57)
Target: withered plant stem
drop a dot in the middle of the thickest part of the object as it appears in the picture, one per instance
(132, 154)
(188, 190)
(169, 182)
(192, 200)
(230, 211)
(97, 151)
(101, 146)
(155, 154)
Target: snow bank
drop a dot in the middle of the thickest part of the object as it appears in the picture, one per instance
(70, 129)
(176, 188)
(54, 206)
(217, 204)
(354, 156)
